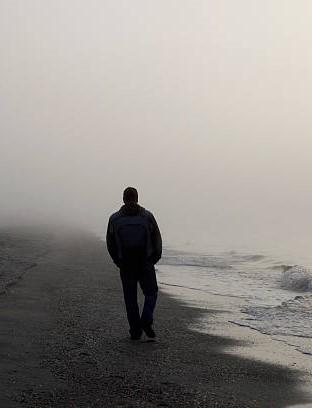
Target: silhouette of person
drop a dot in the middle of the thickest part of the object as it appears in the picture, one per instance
(134, 243)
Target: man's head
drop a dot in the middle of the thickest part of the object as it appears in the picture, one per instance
(130, 195)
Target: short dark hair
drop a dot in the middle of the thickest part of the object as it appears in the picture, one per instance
(130, 195)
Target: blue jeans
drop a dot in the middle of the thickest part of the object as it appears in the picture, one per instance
(131, 275)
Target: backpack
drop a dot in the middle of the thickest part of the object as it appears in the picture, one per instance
(132, 234)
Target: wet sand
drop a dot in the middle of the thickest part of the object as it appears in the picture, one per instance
(64, 343)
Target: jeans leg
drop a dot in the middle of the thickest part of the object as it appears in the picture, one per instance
(148, 310)
(149, 287)
(132, 308)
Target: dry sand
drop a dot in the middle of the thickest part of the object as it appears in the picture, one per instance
(64, 343)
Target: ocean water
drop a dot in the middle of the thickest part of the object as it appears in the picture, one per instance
(276, 296)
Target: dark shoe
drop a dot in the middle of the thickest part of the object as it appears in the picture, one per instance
(148, 330)
(136, 336)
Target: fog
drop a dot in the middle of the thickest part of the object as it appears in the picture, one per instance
(204, 106)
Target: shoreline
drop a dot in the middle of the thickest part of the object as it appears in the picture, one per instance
(66, 344)
(252, 344)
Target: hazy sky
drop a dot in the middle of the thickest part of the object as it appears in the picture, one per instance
(204, 106)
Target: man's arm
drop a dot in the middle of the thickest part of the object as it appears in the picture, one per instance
(111, 242)
(156, 239)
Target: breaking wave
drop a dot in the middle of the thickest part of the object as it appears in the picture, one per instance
(171, 257)
(297, 278)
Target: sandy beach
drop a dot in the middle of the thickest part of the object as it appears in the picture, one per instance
(64, 340)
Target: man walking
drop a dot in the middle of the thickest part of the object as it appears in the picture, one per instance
(134, 242)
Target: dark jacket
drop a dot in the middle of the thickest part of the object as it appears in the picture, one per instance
(126, 215)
